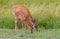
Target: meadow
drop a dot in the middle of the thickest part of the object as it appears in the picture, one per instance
(46, 13)
(42, 34)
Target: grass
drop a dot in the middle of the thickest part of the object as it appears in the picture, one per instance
(46, 12)
(42, 34)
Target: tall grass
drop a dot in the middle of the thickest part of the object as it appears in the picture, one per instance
(46, 12)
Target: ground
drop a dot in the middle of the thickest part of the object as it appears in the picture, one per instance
(41, 34)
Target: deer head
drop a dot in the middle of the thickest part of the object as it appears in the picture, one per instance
(34, 24)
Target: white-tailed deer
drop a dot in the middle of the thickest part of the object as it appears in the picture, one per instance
(23, 14)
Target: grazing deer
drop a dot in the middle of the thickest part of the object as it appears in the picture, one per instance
(23, 14)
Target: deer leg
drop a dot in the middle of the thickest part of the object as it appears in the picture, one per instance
(29, 26)
(16, 25)
(22, 25)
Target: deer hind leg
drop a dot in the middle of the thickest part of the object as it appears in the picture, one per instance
(16, 25)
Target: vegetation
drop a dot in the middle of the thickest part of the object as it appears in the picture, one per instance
(42, 34)
(46, 12)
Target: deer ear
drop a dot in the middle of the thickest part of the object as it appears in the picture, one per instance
(34, 20)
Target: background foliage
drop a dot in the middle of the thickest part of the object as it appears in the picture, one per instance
(46, 12)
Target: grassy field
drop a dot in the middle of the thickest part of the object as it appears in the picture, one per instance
(46, 12)
(42, 34)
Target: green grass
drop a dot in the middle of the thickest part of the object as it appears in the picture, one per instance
(42, 34)
(46, 12)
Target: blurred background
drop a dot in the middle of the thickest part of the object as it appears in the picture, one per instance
(46, 12)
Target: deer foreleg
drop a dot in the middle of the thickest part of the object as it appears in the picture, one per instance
(22, 25)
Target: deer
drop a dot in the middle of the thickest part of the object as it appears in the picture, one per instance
(21, 13)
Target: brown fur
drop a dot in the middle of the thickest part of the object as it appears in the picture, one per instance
(23, 14)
